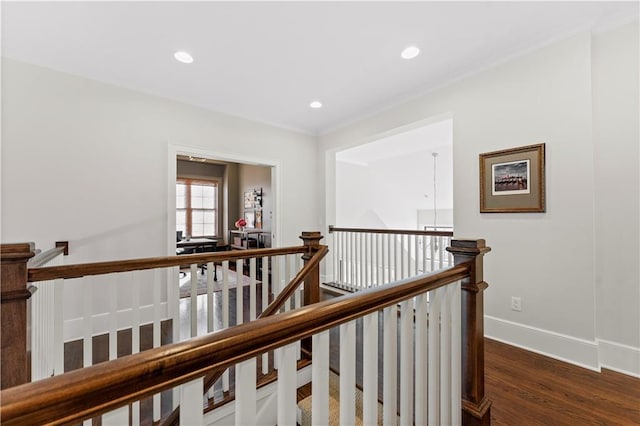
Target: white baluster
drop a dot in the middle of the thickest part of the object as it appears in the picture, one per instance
(370, 369)
(246, 393)
(445, 355)
(287, 384)
(58, 300)
(211, 273)
(252, 288)
(191, 413)
(435, 301)
(194, 300)
(348, 373)
(225, 314)
(416, 249)
(87, 348)
(424, 254)
(390, 259)
(136, 278)
(87, 342)
(113, 315)
(389, 367)
(377, 259)
(287, 279)
(157, 337)
(398, 257)
(421, 336)
(265, 303)
(320, 380)
(173, 295)
(239, 298)
(406, 363)
(116, 417)
(432, 247)
(367, 260)
(456, 357)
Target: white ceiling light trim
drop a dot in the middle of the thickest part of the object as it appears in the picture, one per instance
(184, 57)
(315, 104)
(410, 52)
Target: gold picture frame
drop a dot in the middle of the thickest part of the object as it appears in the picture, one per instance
(513, 180)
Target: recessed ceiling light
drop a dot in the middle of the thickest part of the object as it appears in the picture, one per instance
(410, 52)
(183, 57)
(316, 104)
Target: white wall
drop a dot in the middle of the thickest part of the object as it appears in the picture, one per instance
(88, 162)
(616, 139)
(546, 259)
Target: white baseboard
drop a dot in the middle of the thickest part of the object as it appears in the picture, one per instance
(618, 357)
(562, 347)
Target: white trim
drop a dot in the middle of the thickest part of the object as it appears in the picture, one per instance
(619, 357)
(580, 352)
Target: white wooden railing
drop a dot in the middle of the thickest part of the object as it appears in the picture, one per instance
(364, 258)
(135, 299)
(436, 318)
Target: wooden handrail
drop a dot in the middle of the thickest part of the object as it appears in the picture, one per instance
(106, 386)
(270, 310)
(44, 257)
(99, 268)
(391, 231)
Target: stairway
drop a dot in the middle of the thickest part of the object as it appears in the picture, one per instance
(304, 406)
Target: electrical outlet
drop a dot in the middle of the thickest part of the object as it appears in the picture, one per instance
(516, 304)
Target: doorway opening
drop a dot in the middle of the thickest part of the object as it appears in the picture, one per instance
(402, 181)
(211, 195)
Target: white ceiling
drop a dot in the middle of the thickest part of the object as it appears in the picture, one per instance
(429, 138)
(266, 61)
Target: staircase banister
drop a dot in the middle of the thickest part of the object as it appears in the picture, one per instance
(112, 384)
(44, 257)
(391, 231)
(99, 268)
(279, 301)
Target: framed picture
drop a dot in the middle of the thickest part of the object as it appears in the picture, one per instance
(248, 200)
(250, 218)
(258, 219)
(513, 180)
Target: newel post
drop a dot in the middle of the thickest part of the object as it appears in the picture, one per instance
(476, 407)
(13, 319)
(312, 283)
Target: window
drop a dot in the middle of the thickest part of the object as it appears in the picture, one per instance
(196, 207)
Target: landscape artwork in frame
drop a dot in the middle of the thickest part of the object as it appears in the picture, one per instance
(513, 180)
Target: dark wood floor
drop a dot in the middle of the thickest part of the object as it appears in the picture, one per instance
(531, 389)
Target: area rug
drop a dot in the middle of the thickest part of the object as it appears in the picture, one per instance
(185, 281)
